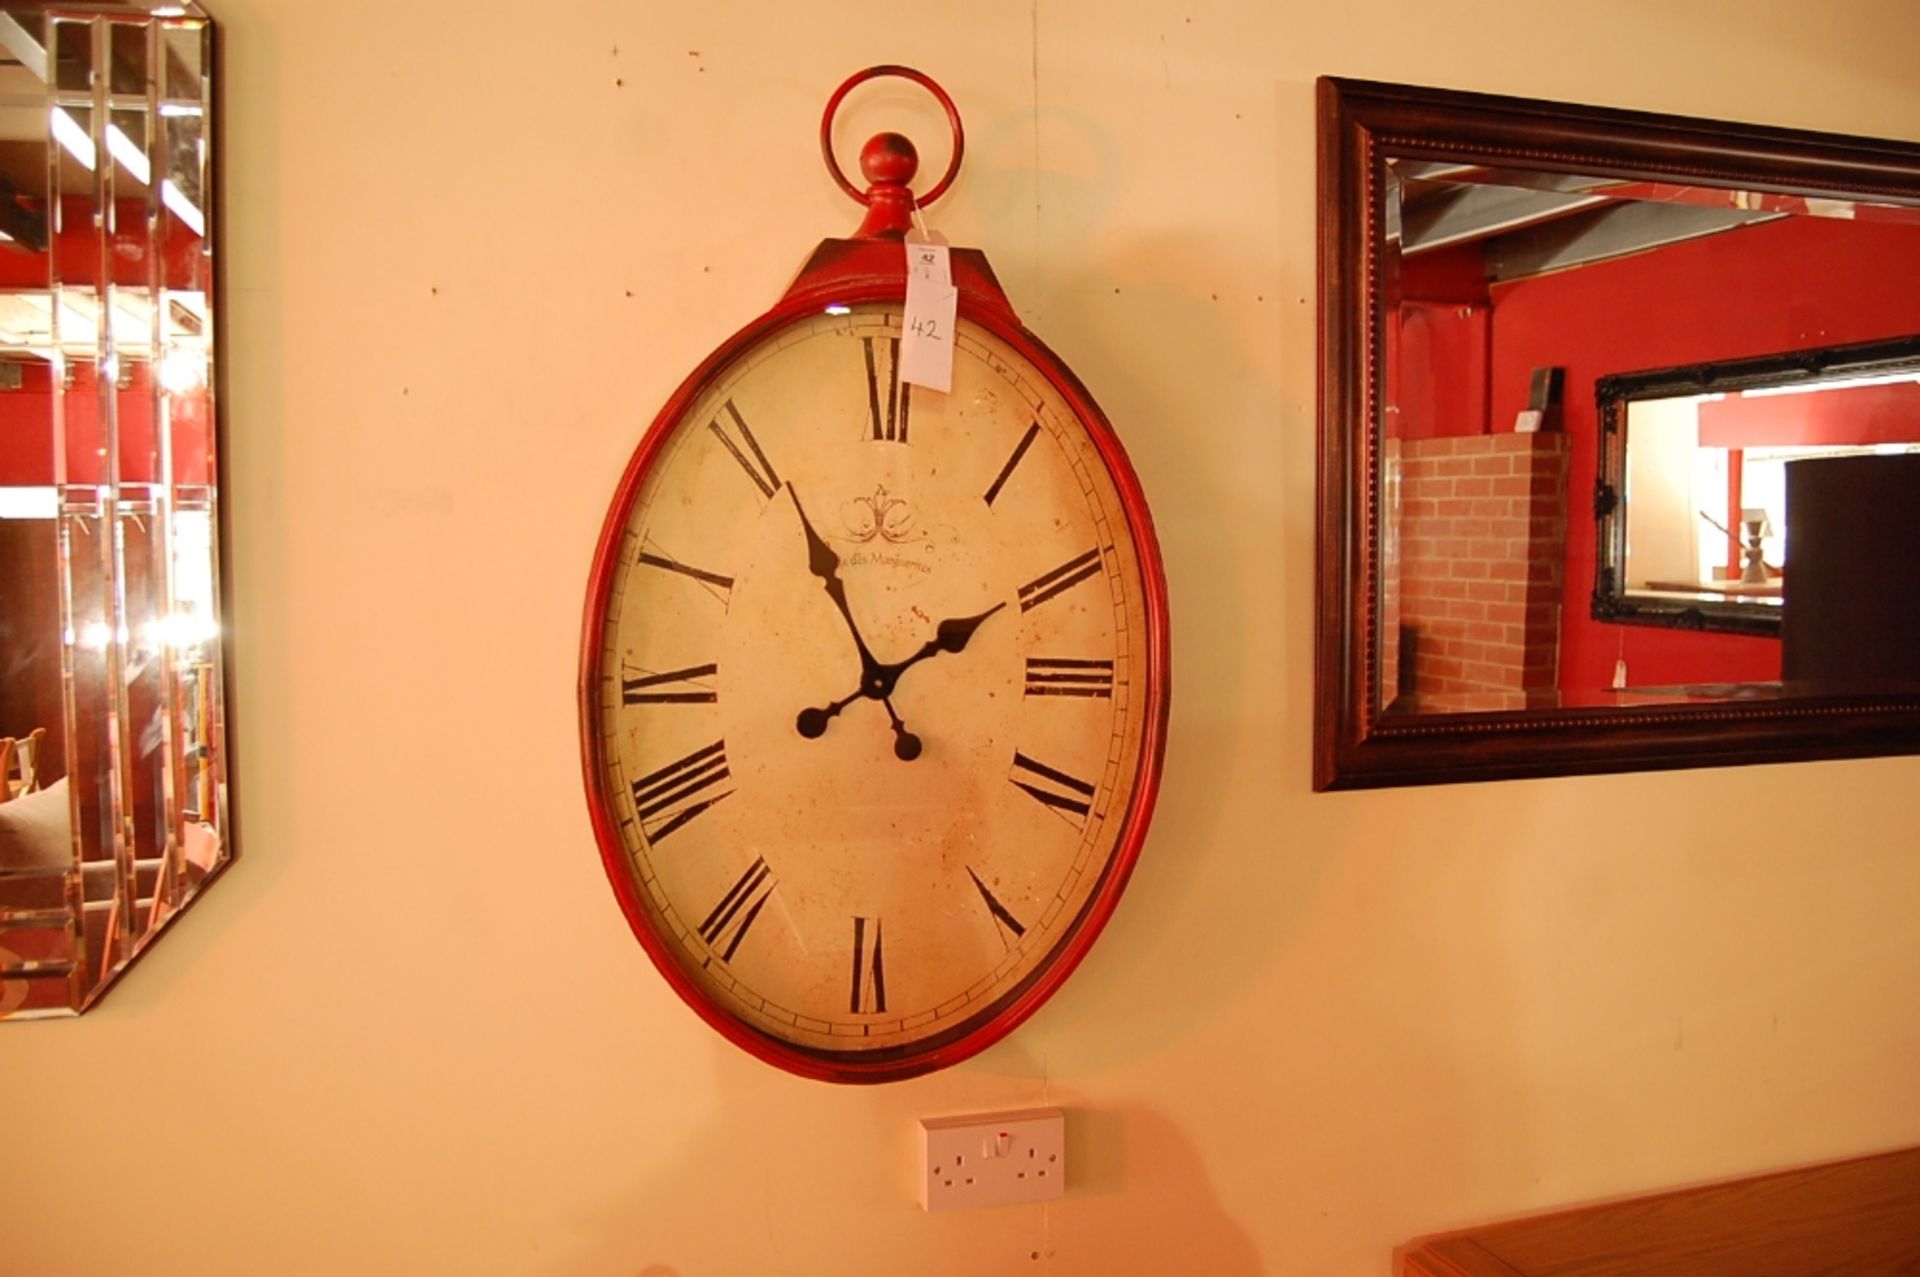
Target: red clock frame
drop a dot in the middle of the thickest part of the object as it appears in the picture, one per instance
(849, 272)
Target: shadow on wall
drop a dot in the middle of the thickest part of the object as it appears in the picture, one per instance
(1217, 882)
(1143, 1203)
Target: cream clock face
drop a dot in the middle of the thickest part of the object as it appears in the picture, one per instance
(871, 710)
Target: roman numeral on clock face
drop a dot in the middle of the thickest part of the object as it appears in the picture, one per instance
(869, 995)
(730, 920)
(667, 799)
(672, 687)
(1057, 791)
(721, 587)
(1019, 451)
(1064, 676)
(899, 398)
(758, 468)
(1003, 921)
(1064, 577)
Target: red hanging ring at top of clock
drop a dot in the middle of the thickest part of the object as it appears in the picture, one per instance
(888, 161)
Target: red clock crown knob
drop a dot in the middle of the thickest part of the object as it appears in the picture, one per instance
(889, 157)
(889, 161)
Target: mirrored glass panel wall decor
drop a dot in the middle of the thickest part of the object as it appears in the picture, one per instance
(113, 797)
(1620, 440)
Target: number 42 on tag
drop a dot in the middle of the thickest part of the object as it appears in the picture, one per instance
(926, 337)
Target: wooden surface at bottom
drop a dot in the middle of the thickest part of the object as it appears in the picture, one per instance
(1857, 1218)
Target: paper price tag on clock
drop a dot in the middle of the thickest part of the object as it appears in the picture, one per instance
(926, 329)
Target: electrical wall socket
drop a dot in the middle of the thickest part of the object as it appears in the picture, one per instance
(992, 1159)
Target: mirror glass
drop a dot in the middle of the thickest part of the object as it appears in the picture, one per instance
(1513, 297)
(1582, 369)
(113, 801)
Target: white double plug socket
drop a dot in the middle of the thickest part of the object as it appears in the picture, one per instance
(992, 1159)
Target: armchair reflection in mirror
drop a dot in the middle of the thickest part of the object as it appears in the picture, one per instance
(114, 816)
(1570, 358)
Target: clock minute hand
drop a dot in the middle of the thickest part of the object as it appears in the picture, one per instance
(825, 564)
(876, 680)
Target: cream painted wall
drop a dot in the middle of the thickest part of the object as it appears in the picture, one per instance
(473, 246)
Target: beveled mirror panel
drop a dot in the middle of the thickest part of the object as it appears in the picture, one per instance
(1582, 370)
(113, 801)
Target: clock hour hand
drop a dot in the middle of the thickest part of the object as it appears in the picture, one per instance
(951, 635)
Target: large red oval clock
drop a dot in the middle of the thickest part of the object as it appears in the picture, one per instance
(874, 679)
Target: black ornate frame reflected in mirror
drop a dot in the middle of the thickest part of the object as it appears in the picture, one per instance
(113, 744)
(1694, 470)
(1498, 278)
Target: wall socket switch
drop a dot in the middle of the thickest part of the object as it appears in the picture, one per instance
(992, 1159)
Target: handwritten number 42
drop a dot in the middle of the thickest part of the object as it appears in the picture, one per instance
(927, 328)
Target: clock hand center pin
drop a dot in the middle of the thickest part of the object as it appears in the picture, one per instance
(878, 682)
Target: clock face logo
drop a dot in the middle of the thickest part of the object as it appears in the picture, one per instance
(881, 515)
(869, 765)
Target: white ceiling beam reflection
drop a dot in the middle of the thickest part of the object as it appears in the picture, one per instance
(25, 49)
(1466, 213)
(1621, 230)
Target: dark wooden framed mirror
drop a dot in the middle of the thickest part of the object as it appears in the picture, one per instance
(1490, 267)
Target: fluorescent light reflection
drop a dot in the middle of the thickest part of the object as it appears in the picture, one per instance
(72, 137)
(74, 140)
(181, 631)
(183, 208)
(96, 635)
(121, 147)
(183, 371)
(29, 503)
(1843, 383)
